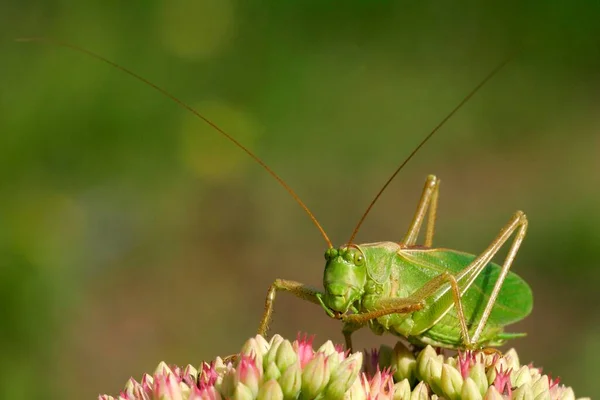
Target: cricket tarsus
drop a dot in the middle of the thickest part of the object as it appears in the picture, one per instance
(193, 111)
(425, 140)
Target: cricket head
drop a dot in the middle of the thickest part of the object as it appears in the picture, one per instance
(344, 278)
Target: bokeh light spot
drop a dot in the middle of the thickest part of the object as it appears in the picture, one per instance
(206, 152)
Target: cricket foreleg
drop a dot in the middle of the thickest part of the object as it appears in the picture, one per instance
(386, 306)
(298, 289)
(429, 199)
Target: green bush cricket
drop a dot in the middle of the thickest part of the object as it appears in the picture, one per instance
(430, 296)
(437, 296)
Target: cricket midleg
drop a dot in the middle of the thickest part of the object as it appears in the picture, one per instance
(298, 289)
(428, 200)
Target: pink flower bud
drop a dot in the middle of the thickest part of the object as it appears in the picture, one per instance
(304, 349)
(248, 373)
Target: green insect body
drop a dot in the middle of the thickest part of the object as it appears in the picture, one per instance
(357, 277)
(429, 295)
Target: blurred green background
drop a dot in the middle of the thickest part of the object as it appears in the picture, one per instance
(130, 232)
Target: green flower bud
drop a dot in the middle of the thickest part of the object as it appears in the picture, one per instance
(190, 371)
(291, 381)
(535, 372)
(451, 382)
(242, 392)
(403, 363)
(263, 345)
(270, 390)
(185, 390)
(541, 388)
(512, 359)
(333, 360)
(327, 348)
(227, 384)
(451, 361)
(492, 394)
(219, 363)
(272, 372)
(250, 347)
(275, 340)
(521, 377)
(470, 390)
(271, 354)
(402, 390)
(523, 392)
(433, 374)
(567, 394)
(315, 376)
(478, 375)
(422, 360)
(420, 392)
(130, 387)
(343, 377)
(357, 391)
(162, 369)
(286, 355)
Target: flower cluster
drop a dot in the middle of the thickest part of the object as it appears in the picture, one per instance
(280, 369)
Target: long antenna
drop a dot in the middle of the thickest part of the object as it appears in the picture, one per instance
(196, 113)
(412, 154)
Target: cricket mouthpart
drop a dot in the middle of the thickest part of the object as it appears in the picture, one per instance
(339, 296)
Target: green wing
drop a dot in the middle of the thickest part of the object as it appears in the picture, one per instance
(514, 302)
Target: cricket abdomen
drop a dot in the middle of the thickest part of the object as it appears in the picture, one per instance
(438, 323)
(446, 333)
(514, 301)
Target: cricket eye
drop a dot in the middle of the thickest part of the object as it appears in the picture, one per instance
(358, 259)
